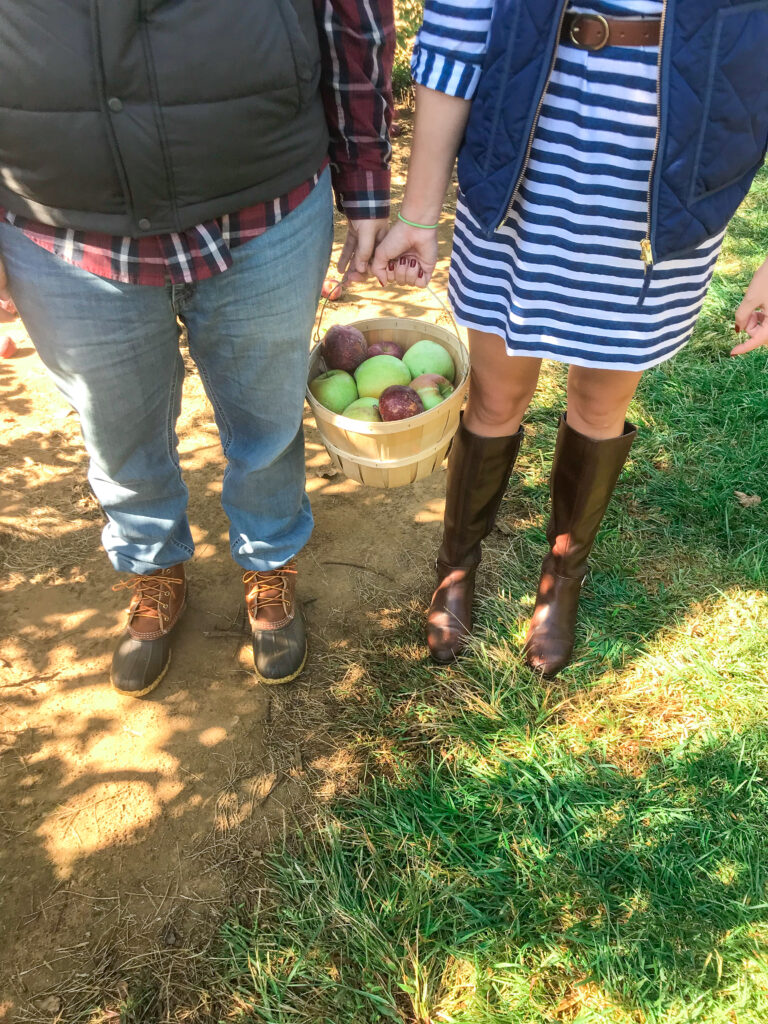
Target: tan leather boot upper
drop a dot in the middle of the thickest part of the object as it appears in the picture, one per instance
(270, 597)
(156, 603)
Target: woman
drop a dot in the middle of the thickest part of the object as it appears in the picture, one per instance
(606, 147)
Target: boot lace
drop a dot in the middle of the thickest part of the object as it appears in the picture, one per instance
(151, 594)
(267, 589)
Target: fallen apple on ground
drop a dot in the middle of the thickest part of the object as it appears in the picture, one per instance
(365, 409)
(335, 390)
(385, 348)
(7, 347)
(332, 289)
(344, 348)
(378, 373)
(428, 357)
(399, 403)
(432, 389)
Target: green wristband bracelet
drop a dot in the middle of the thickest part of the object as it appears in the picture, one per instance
(413, 224)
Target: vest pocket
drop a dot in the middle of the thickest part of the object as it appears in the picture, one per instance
(306, 56)
(734, 129)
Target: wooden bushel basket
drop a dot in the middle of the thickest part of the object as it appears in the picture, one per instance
(402, 452)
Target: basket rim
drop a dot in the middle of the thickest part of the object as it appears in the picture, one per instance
(394, 426)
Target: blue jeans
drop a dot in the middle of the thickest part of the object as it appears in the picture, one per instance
(113, 350)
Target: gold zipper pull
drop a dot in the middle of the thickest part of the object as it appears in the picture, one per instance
(646, 252)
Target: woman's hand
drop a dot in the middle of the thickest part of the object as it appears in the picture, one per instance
(406, 256)
(752, 314)
(7, 308)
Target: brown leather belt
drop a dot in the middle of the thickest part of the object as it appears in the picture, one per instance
(593, 31)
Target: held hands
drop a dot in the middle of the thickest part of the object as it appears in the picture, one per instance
(407, 255)
(752, 314)
(7, 308)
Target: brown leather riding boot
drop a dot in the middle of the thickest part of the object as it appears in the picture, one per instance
(277, 625)
(478, 474)
(143, 652)
(584, 475)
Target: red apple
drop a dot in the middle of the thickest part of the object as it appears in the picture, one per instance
(344, 348)
(7, 347)
(399, 403)
(332, 289)
(432, 389)
(385, 348)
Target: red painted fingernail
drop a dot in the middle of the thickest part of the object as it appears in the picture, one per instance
(403, 261)
(391, 265)
(421, 272)
(413, 263)
(737, 328)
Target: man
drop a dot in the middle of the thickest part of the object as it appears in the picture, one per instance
(166, 161)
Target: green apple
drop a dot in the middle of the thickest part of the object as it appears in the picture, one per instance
(366, 409)
(334, 389)
(380, 372)
(428, 357)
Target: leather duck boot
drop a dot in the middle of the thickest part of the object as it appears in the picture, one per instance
(478, 474)
(143, 652)
(277, 625)
(584, 475)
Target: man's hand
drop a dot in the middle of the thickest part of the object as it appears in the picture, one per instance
(7, 308)
(362, 238)
(752, 314)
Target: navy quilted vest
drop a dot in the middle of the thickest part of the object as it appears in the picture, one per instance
(714, 113)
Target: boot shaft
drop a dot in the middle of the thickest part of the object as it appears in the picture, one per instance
(478, 474)
(584, 476)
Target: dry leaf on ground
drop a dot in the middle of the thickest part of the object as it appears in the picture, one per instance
(747, 500)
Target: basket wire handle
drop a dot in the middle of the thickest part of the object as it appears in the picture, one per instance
(441, 302)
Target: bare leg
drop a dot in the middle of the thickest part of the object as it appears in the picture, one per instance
(598, 400)
(501, 387)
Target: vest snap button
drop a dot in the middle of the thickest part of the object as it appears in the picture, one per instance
(145, 224)
(114, 104)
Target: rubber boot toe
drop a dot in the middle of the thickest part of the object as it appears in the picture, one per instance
(279, 655)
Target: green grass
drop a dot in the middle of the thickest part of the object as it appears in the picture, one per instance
(592, 849)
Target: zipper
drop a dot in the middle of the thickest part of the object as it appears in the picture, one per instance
(537, 115)
(646, 248)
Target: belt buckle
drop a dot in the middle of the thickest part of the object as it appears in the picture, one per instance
(590, 17)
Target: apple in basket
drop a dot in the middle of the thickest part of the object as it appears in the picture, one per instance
(344, 348)
(335, 390)
(378, 373)
(432, 389)
(385, 348)
(399, 403)
(365, 409)
(428, 357)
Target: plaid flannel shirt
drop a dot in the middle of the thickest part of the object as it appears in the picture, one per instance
(357, 44)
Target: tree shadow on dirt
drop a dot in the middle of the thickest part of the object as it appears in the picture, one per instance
(127, 826)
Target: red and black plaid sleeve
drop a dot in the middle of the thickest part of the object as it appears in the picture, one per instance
(357, 39)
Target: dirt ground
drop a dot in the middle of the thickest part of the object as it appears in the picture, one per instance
(126, 826)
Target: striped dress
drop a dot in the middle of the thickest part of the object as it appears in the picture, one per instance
(563, 277)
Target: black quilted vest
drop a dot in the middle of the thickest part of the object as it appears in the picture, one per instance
(135, 117)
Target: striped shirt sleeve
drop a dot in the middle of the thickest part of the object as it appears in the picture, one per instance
(450, 46)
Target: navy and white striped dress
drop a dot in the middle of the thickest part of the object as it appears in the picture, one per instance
(563, 278)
